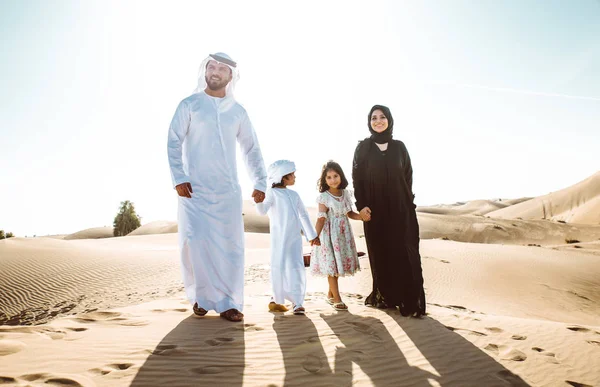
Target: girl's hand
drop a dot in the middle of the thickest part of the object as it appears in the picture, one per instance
(365, 214)
(315, 242)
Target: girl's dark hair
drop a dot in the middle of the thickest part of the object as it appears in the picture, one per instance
(331, 166)
(280, 184)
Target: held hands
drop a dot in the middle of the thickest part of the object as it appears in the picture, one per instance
(315, 242)
(365, 214)
(184, 190)
(258, 196)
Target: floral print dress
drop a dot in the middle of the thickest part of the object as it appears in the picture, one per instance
(336, 257)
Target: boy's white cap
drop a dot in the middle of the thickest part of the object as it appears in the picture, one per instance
(279, 169)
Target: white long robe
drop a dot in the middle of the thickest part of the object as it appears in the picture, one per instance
(201, 150)
(287, 216)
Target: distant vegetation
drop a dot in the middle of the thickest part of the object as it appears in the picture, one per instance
(126, 220)
(5, 236)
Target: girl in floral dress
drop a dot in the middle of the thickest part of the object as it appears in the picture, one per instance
(336, 256)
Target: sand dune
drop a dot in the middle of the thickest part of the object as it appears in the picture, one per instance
(253, 223)
(474, 207)
(92, 233)
(513, 315)
(156, 227)
(479, 229)
(512, 302)
(579, 203)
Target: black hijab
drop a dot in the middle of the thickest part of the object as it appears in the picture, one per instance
(386, 135)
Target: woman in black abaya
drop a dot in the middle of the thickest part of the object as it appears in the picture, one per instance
(382, 176)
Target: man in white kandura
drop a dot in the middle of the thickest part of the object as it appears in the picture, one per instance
(202, 157)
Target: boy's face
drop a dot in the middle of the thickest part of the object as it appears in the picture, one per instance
(290, 179)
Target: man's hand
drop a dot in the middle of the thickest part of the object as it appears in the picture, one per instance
(258, 196)
(365, 214)
(184, 190)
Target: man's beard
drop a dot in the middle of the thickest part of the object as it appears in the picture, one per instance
(215, 84)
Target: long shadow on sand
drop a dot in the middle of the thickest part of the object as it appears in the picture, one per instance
(304, 358)
(369, 345)
(458, 362)
(206, 351)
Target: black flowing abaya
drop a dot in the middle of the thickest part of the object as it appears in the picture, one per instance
(383, 182)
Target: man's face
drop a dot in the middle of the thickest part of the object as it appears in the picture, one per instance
(218, 75)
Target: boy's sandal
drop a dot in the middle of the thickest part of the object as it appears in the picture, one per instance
(299, 310)
(233, 315)
(199, 311)
(339, 306)
(275, 307)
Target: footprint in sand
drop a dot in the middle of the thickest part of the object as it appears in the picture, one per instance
(578, 329)
(218, 369)
(8, 347)
(494, 329)
(112, 367)
(170, 310)
(506, 352)
(364, 328)
(7, 380)
(455, 307)
(592, 342)
(219, 341)
(54, 334)
(467, 331)
(245, 328)
(165, 350)
(312, 364)
(58, 380)
(577, 384)
(110, 318)
(357, 355)
(436, 259)
(551, 356)
(519, 337)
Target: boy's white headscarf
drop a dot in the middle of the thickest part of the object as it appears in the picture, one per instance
(221, 58)
(279, 169)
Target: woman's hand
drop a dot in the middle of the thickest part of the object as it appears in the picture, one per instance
(365, 214)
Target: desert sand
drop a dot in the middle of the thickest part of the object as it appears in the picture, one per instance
(511, 302)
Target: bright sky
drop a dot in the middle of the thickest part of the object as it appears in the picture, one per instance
(492, 98)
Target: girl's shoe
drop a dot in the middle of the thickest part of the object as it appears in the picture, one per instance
(329, 300)
(298, 310)
(339, 306)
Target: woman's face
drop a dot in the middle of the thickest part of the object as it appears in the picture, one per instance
(379, 121)
(333, 179)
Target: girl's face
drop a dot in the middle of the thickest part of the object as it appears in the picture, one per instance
(290, 179)
(379, 121)
(333, 179)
